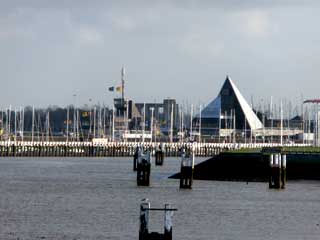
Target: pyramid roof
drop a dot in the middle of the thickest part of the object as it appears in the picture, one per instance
(251, 117)
(212, 110)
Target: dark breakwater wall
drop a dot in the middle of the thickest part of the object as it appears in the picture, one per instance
(255, 167)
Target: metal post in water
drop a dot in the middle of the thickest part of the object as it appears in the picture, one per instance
(283, 171)
(186, 172)
(167, 223)
(144, 219)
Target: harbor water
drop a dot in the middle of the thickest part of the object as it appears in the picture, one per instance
(98, 198)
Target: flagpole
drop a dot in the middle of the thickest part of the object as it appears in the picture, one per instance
(122, 81)
(113, 123)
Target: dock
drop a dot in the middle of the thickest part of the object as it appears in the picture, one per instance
(116, 149)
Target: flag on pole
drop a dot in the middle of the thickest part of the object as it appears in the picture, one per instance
(119, 89)
(111, 89)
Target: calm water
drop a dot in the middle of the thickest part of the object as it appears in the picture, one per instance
(87, 198)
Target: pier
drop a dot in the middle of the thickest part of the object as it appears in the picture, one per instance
(118, 149)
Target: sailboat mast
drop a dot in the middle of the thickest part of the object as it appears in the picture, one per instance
(281, 124)
(78, 124)
(144, 121)
(191, 117)
(94, 122)
(22, 125)
(32, 130)
(113, 123)
(10, 122)
(200, 123)
(67, 123)
(171, 124)
(15, 124)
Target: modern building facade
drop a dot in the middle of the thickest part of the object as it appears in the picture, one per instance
(227, 113)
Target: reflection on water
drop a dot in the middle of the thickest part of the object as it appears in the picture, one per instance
(87, 198)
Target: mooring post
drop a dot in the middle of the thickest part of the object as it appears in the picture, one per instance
(167, 222)
(135, 158)
(271, 180)
(283, 170)
(159, 155)
(186, 172)
(144, 220)
(275, 171)
(143, 169)
(144, 233)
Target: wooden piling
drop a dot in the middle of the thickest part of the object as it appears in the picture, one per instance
(186, 171)
(159, 155)
(143, 169)
(135, 158)
(275, 171)
(167, 223)
(283, 170)
(144, 233)
(144, 220)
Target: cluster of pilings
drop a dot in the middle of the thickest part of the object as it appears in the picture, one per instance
(277, 167)
(277, 179)
(144, 230)
(142, 164)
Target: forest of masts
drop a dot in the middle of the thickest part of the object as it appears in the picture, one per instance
(55, 123)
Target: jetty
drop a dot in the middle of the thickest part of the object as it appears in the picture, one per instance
(119, 149)
(273, 165)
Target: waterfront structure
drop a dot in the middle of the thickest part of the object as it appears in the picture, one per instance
(227, 113)
(162, 113)
(139, 121)
(228, 118)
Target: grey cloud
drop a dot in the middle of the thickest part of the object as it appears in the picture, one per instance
(183, 49)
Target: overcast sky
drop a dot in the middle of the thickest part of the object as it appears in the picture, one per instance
(51, 50)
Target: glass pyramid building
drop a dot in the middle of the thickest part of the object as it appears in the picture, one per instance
(229, 110)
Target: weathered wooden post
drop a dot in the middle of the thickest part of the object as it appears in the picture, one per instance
(143, 169)
(144, 219)
(159, 155)
(135, 158)
(277, 167)
(167, 222)
(144, 222)
(283, 170)
(271, 180)
(275, 171)
(186, 172)
(13, 150)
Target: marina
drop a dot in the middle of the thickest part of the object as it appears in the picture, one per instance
(159, 120)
